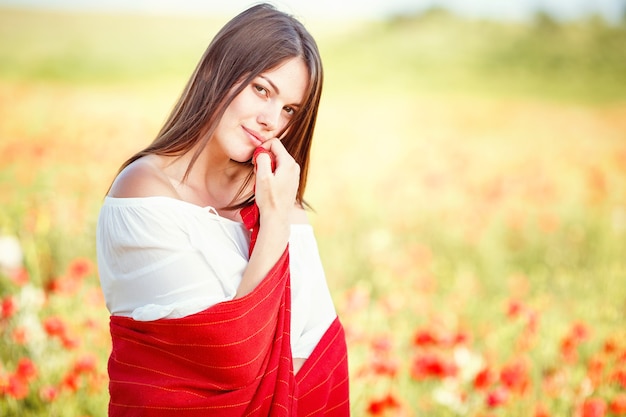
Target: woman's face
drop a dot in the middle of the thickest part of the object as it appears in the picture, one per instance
(262, 109)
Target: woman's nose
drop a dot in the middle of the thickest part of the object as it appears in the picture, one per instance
(269, 117)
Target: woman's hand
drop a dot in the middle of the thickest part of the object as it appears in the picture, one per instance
(275, 192)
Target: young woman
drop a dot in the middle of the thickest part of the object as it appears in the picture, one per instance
(218, 300)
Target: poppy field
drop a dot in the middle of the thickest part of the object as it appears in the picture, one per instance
(469, 205)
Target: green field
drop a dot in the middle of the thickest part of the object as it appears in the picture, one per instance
(469, 187)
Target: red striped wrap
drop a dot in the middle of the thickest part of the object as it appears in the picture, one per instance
(232, 359)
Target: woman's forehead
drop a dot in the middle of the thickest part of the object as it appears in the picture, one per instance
(289, 79)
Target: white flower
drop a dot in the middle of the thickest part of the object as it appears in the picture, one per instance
(30, 322)
(448, 395)
(11, 256)
(469, 363)
(31, 298)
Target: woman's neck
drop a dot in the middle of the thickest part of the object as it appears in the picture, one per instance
(213, 180)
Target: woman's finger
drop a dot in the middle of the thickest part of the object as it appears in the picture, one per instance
(276, 147)
(261, 150)
(263, 163)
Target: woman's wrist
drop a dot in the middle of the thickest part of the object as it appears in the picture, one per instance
(275, 226)
(271, 243)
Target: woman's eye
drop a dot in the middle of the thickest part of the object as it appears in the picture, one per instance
(290, 110)
(261, 90)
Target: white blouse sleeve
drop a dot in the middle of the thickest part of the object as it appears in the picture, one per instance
(152, 256)
(311, 298)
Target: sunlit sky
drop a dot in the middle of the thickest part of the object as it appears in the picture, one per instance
(612, 10)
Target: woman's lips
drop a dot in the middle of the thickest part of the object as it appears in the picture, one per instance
(254, 137)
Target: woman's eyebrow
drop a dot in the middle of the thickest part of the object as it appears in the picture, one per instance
(270, 83)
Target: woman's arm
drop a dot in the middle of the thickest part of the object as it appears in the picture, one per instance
(275, 194)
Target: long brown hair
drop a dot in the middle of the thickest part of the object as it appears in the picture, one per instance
(257, 40)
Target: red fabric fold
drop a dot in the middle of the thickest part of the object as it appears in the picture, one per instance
(322, 383)
(232, 359)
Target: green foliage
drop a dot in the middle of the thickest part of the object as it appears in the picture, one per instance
(439, 52)
(93, 48)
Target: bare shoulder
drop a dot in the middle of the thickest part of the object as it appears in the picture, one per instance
(142, 178)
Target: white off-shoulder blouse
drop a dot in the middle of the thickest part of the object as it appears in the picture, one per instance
(159, 257)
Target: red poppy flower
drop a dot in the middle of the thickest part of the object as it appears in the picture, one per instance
(54, 326)
(382, 344)
(49, 393)
(69, 342)
(8, 307)
(378, 407)
(497, 397)
(381, 365)
(515, 309)
(484, 379)
(461, 338)
(619, 377)
(569, 349)
(425, 337)
(66, 285)
(595, 371)
(71, 382)
(19, 336)
(85, 364)
(618, 404)
(26, 369)
(80, 268)
(580, 332)
(20, 276)
(515, 377)
(432, 366)
(610, 346)
(594, 407)
(17, 388)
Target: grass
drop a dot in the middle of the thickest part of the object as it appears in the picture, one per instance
(439, 52)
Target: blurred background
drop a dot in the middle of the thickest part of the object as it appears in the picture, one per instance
(468, 180)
